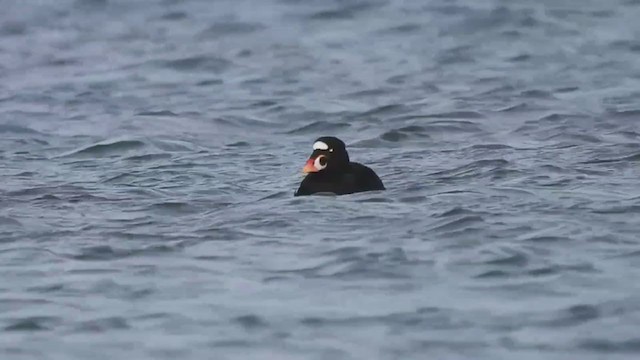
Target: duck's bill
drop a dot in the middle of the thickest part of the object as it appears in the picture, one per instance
(309, 167)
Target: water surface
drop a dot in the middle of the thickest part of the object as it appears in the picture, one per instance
(149, 151)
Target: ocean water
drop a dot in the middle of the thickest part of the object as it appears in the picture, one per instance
(150, 149)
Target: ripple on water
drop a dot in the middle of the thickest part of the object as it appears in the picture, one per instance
(174, 16)
(251, 322)
(106, 252)
(353, 262)
(16, 129)
(221, 29)
(318, 127)
(174, 208)
(13, 28)
(401, 29)
(457, 223)
(622, 159)
(201, 63)
(574, 315)
(406, 133)
(438, 318)
(158, 113)
(8, 222)
(148, 157)
(606, 346)
(343, 11)
(473, 169)
(102, 325)
(106, 148)
(33, 323)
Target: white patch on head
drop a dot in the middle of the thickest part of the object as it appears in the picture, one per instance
(320, 145)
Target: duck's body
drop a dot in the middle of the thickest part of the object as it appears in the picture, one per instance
(330, 171)
(355, 178)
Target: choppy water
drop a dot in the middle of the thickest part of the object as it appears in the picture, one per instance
(149, 151)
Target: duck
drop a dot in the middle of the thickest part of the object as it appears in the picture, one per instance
(329, 170)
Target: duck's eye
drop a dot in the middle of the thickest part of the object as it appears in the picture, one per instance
(320, 163)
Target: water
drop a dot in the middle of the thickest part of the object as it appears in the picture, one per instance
(149, 151)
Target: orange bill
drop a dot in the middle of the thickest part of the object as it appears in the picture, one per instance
(309, 167)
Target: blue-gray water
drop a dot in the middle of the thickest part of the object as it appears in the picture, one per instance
(149, 151)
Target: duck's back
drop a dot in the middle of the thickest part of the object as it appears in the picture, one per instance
(364, 178)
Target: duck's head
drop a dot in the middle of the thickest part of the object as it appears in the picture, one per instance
(329, 154)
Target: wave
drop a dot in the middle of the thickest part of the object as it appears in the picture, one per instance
(106, 148)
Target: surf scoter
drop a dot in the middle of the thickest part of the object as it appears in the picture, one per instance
(330, 171)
